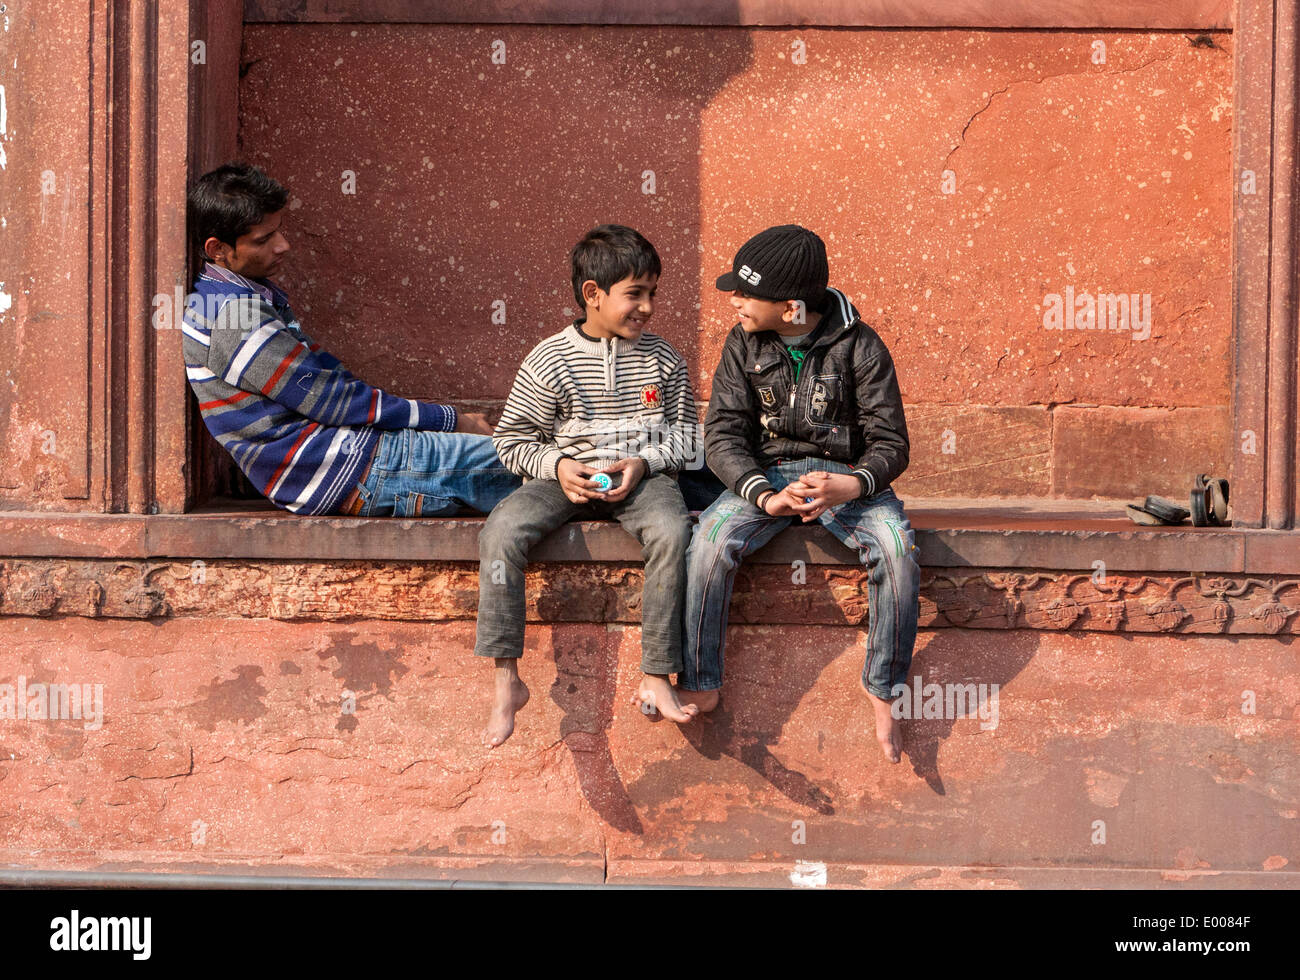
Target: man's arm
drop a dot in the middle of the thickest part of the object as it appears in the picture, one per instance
(731, 427)
(474, 422)
(525, 437)
(880, 418)
(330, 360)
(680, 445)
(254, 351)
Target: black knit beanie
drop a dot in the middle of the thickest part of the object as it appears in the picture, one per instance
(785, 262)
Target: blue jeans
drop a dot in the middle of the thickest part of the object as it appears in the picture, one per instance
(418, 473)
(877, 529)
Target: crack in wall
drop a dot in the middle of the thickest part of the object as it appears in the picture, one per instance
(961, 139)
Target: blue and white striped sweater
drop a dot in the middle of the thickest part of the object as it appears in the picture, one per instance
(299, 425)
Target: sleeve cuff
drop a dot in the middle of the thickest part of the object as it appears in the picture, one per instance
(655, 463)
(433, 417)
(753, 485)
(867, 480)
(547, 463)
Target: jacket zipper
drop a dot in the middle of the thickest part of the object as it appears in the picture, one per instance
(794, 382)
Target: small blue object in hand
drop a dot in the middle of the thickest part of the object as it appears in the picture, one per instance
(603, 482)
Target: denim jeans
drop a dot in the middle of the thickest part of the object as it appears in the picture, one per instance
(654, 513)
(418, 473)
(877, 529)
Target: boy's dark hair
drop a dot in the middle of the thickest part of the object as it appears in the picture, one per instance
(225, 203)
(608, 254)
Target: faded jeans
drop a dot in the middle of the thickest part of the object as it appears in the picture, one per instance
(654, 513)
(877, 529)
(420, 473)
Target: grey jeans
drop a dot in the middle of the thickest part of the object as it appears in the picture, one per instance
(654, 513)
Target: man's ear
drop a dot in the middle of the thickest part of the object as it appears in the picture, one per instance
(215, 249)
(591, 293)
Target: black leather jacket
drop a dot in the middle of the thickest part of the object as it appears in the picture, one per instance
(846, 407)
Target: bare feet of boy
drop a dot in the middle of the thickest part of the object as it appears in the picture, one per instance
(510, 694)
(656, 693)
(889, 733)
(706, 701)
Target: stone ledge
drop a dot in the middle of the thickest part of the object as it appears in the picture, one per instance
(1026, 534)
(609, 593)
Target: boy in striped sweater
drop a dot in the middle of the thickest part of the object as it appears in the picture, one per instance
(306, 432)
(602, 400)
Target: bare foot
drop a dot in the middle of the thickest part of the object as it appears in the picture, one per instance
(509, 695)
(656, 693)
(704, 700)
(889, 732)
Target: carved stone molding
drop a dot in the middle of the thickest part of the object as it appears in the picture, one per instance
(1132, 604)
(605, 592)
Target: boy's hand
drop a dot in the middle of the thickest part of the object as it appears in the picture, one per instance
(779, 504)
(633, 468)
(826, 490)
(475, 422)
(575, 482)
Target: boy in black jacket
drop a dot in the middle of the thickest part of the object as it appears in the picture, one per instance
(805, 420)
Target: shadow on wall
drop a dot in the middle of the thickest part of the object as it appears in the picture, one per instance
(441, 174)
(769, 683)
(754, 712)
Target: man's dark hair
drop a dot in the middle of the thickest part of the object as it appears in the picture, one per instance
(608, 254)
(225, 203)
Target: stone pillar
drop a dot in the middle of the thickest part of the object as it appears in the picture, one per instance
(1264, 485)
(94, 415)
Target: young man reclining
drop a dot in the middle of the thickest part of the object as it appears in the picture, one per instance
(308, 434)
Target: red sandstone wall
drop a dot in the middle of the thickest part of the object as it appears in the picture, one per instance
(473, 179)
(240, 754)
(225, 743)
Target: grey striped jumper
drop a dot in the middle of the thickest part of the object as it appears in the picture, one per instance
(598, 401)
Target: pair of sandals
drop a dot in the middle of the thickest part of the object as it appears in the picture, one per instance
(1208, 506)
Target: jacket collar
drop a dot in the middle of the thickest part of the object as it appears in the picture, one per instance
(840, 315)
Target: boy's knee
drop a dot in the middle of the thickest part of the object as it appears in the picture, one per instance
(498, 539)
(704, 552)
(900, 562)
(698, 543)
(671, 538)
(681, 537)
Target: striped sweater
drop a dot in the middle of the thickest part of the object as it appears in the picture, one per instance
(300, 426)
(598, 401)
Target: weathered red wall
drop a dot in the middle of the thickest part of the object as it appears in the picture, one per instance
(473, 179)
(224, 745)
